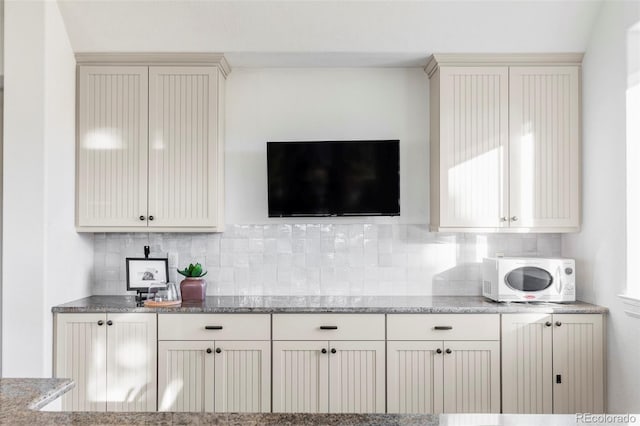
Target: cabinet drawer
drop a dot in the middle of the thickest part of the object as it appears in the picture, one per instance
(328, 327)
(443, 327)
(214, 327)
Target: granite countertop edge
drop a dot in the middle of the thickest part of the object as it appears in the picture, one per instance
(329, 304)
(21, 398)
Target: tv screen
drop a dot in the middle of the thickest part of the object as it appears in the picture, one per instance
(334, 178)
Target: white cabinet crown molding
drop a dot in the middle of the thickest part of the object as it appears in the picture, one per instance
(155, 59)
(501, 59)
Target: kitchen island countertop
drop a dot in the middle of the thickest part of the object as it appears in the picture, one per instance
(330, 304)
(21, 400)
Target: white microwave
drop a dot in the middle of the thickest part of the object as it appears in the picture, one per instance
(529, 279)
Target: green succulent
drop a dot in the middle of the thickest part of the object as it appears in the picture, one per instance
(193, 271)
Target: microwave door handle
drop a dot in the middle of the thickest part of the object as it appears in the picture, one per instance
(559, 280)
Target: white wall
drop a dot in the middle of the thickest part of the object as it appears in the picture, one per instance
(68, 255)
(323, 104)
(600, 249)
(45, 261)
(23, 204)
(329, 26)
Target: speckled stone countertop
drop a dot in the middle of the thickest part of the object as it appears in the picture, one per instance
(20, 400)
(326, 304)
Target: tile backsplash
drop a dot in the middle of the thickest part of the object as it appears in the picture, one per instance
(321, 259)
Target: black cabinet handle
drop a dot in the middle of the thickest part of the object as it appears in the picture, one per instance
(328, 327)
(218, 350)
(109, 322)
(324, 350)
(150, 217)
(548, 323)
(213, 327)
(100, 322)
(142, 218)
(333, 350)
(438, 351)
(209, 350)
(559, 379)
(448, 351)
(558, 323)
(443, 327)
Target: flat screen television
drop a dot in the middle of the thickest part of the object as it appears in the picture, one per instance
(334, 178)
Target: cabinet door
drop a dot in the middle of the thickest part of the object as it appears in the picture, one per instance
(544, 146)
(356, 377)
(112, 146)
(131, 362)
(578, 363)
(81, 347)
(242, 376)
(185, 376)
(473, 146)
(184, 177)
(300, 377)
(526, 364)
(414, 377)
(471, 377)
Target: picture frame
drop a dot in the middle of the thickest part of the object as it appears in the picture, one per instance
(143, 272)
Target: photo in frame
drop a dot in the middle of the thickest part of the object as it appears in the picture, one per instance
(143, 272)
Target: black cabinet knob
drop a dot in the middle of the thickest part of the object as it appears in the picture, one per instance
(333, 350)
(558, 323)
(324, 350)
(209, 350)
(100, 322)
(548, 323)
(438, 351)
(218, 350)
(142, 218)
(109, 322)
(150, 217)
(448, 351)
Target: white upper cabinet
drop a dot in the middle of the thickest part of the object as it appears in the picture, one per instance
(505, 142)
(185, 179)
(544, 147)
(150, 143)
(472, 165)
(112, 147)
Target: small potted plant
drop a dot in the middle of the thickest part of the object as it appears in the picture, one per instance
(193, 288)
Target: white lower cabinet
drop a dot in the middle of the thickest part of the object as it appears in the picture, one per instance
(110, 357)
(415, 377)
(221, 375)
(552, 363)
(300, 377)
(332, 363)
(339, 374)
(443, 376)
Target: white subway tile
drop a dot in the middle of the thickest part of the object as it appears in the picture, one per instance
(313, 231)
(256, 245)
(297, 245)
(284, 245)
(240, 260)
(370, 231)
(299, 231)
(320, 259)
(284, 231)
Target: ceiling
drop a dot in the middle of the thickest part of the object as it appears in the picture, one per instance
(273, 33)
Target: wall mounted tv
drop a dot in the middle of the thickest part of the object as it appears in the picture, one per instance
(334, 178)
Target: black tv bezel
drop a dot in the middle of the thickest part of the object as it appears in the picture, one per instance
(372, 214)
